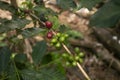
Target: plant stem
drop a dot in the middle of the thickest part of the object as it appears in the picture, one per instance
(83, 71)
(37, 18)
(65, 47)
(16, 69)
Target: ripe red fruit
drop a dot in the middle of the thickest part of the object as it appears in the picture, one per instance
(49, 35)
(48, 24)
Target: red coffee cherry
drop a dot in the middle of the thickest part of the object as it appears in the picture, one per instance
(48, 24)
(50, 35)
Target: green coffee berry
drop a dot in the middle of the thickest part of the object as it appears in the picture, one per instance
(58, 34)
(77, 50)
(65, 35)
(65, 55)
(81, 60)
(71, 58)
(58, 45)
(67, 63)
(81, 54)
(54, 40)
(62, 39)
(74, 63)
(76, 58)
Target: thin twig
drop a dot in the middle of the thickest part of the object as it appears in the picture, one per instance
(41, 22)
(83, 71)
(17, 73)
(65, 47)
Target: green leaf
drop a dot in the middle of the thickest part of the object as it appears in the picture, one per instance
(40, 10)
(66, 4)
(74, 34)
(22, 58)
(39, 51)
(88, 3)
(116, 2)
(42, 74)
(51, 74)
(63, 28)
(107, 16)
(8, 25)
(2, 44)
(46, 59)
(55, 22)
(12, 73)
(30, 4)
(29, 74)
(29, 32)
(3, 20)
(4, 59)
(6, 6)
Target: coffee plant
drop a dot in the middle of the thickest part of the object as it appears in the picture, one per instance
(47, 58)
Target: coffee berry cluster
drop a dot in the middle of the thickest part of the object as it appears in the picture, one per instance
(49, 25)
(58, 39)
(72, 60)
